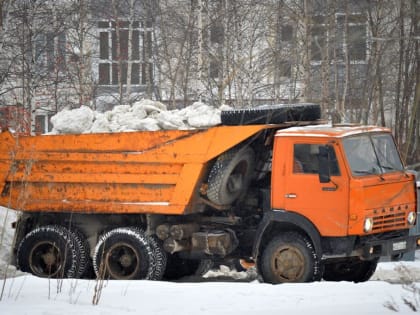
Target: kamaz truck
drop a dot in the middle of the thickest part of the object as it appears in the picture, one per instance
(275, 186)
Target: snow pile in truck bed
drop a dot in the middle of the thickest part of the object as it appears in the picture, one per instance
(143, 115)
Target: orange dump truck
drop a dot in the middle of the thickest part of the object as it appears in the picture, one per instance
(300, 200)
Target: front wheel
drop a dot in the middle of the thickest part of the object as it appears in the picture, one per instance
(352, 269)
(289, 257)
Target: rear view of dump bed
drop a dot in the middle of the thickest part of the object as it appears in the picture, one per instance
(136, 172)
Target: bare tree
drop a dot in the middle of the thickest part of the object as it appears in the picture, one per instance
(80, 36)
(177, 35)
(29, 46)
(412, 142)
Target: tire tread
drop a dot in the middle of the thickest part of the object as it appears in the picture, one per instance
(271, 114)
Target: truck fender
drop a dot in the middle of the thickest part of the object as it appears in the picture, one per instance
(291, 221)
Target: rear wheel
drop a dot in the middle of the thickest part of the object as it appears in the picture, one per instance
(289, 258)
(48, 251)
(123, 254)
(353, 269)
(158, 258)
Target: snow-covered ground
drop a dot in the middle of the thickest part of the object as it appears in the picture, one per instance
(30, 295)
(219, 292)
(6, 239)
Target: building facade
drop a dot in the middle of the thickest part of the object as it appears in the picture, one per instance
(106, 52)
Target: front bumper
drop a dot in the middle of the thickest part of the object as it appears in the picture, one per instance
(390, 247)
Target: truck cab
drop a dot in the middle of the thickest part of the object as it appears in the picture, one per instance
(345, 190)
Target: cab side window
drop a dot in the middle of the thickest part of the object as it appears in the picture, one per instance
(305, 159)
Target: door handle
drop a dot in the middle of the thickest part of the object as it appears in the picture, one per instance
(290, 196)
(329, 188)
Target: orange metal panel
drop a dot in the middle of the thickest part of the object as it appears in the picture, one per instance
(182, 191)
(137, 172)
(97, 167)
(324, 204)
(107, 207)
(6, 156)
(66, 192)
(391, 196)
(83, 178)
(105, 142)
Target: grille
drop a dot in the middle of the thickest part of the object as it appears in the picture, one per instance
(389, 221)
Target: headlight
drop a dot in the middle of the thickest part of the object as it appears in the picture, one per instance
(367, 227)
(411, 218)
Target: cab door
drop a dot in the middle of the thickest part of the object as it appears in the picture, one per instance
(324, 204)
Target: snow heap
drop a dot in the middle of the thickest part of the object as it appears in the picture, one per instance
(143, 115)
(6, 240)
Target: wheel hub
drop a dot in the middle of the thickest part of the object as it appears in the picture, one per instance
(122, 261)
(49, 258)
(45, 259)
(235, 182)
(288, 264)
(126, 260)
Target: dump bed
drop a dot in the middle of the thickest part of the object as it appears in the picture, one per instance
(135, 172)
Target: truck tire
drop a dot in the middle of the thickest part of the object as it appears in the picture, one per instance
(158, 259)
(123, 254)
(178, 267)
(82, 248)
(352, 269)
(289, 257)
(48, 251)
(230, 175)
(271, 114)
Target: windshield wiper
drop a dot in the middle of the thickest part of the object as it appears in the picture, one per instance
(363, 172)
(391, 168)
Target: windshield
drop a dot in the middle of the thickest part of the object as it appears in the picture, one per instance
(372, 154)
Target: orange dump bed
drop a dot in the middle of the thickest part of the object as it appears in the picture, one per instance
(136, 172)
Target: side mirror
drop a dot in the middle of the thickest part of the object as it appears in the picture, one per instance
(324, 164)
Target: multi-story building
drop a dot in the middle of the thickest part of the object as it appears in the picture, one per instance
(107, 52)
